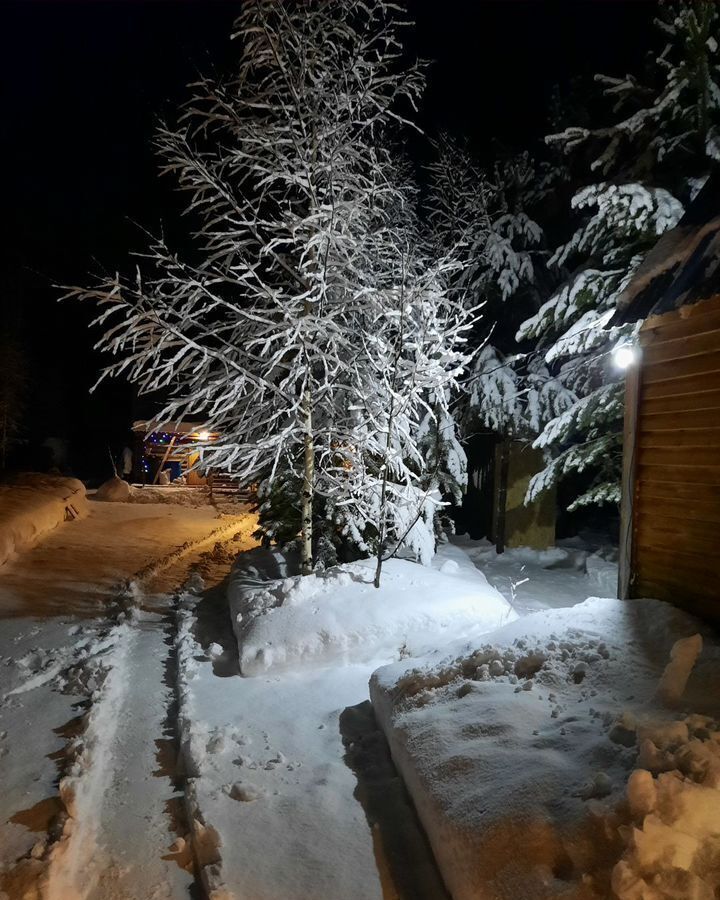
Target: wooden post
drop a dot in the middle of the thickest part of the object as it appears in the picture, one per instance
(627, 497)
(501, 518)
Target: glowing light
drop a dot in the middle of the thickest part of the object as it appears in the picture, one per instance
(624, 355)
(204, 436)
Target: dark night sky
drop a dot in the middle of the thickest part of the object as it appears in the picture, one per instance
(83, 84)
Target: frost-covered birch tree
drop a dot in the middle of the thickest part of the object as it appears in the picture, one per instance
(396, 450)
(285, 169)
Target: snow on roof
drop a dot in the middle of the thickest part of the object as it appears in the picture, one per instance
(684, 265)
(150, 427)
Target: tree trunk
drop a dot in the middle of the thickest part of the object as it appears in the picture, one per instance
(306, 509)
(381, 529)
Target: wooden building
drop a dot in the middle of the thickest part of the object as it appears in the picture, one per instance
(174, 449)
(670, 531)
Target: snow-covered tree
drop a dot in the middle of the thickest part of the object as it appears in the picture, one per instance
(397, 448)
(285, 166)
(668, 118)
(483, 215)
(621, 223)
(278, 331)
(514, 396)
(654, 154)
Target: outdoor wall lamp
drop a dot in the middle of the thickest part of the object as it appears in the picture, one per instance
(625, 354)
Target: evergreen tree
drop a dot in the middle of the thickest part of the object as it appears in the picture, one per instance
(653, 154)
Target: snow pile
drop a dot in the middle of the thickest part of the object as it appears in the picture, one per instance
(114, 490)
(339, 616)
(35, 504)
(174, 494)
(565, 755)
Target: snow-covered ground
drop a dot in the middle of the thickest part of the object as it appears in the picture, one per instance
(268, 753)
(34, 504)
(84, 703)
(545, 579)
(554, 759)
(509, 732)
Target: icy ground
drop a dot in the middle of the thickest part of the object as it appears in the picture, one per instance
(86, 704)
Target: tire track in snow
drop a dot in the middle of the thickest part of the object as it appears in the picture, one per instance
(72, 859)
(68, 865)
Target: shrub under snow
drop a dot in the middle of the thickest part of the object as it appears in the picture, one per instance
(282, 621)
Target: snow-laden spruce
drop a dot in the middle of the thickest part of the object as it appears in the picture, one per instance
(673, 113)
(305, 329)
(654, 155)
(500, 245)
(571, 329)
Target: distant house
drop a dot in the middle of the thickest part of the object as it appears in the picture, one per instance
(670, 531)
(174, 449)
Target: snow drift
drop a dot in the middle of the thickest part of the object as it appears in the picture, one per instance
(564, 755)
(285, 621)
(34, 504)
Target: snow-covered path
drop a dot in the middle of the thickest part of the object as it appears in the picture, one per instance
(82, 694)
(140, 812)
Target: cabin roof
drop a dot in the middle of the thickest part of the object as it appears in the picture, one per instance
(684, 265)
(147, 427)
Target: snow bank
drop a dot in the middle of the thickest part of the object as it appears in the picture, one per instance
(114, 490)
(339, 616)
(545, 761)
(35, 504)
(173, 494)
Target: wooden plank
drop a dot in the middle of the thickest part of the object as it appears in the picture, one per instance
(679, 420)
(669, 490)
(676, 537)
(684, 439)
(685, 557)
(692, 402)
(704, 316)
(663, 569)
(701, 364)
(708, 475)
(701, 457)
(706, 381)
(699, 510)
(702, 605)
(658, 351)
(648, 522)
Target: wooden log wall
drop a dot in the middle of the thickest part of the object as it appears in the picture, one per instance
(676, 500)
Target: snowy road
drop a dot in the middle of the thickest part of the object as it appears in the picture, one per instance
(86, 704)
